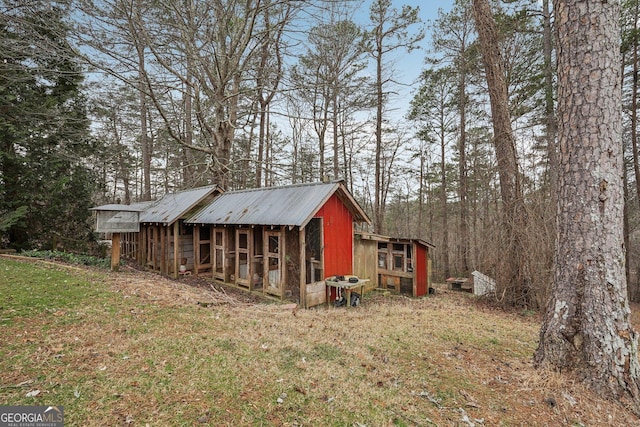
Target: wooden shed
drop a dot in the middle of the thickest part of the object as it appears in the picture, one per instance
(403, 265)
(281, 241)
(164, 243)
(116, 220)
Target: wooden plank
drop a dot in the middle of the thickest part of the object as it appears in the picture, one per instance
(176, 248)
(302, 279)
(115, 252)
(163, 250)
(315, 294)
(395, 273)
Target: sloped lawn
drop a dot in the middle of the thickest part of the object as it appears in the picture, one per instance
(135, 348)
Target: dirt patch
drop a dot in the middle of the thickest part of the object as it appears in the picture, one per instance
(186, 290)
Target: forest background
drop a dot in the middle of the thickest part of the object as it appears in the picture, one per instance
(109, 101)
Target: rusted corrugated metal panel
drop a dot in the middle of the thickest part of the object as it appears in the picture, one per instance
(417, 241)
(292, 205)
(133, 207)
(175, 205)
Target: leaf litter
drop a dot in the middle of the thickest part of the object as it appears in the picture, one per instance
(442, 360)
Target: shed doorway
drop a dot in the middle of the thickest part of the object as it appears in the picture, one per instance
(244, 249)
(313, 251)
(274, 252)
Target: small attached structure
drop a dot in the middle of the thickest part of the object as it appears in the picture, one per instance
(282, 241)
(117, 220)
(403, 265)
(165, 240)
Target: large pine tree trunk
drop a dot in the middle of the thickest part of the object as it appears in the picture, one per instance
(587, 324)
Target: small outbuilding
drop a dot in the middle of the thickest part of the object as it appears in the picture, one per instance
(155, 236)
(117, 220)
(402, 265)
(281, 241)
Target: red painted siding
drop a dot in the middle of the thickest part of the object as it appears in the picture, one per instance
(420, 272)
(338, 237)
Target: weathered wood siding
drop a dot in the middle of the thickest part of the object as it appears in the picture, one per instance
(316, 294)
(365, 264)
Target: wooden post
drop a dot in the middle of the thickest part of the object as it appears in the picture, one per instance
(195, 237)
(303, 267)
(164, 269)
(115, 252)
(176, 248)
(282, 240)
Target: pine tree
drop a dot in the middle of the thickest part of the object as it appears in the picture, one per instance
(44, 131)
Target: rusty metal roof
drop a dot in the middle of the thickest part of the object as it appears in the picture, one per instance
(365, 235)
(173, 206)
(133, 207)
(292, 205)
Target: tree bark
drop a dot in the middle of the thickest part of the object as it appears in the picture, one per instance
(634, 138)
(634, 102)
(443, 205)
(145, 143)
(378, 201)
(462, 169)
(587, 326)
(513, 274)
(549, 104)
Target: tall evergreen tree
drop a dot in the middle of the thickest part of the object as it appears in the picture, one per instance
(44, 131)
(432, 108)
(389, 33)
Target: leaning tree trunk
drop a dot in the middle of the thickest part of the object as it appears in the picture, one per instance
(587, 325)
(513, 279)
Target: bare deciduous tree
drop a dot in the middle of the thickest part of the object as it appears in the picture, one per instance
(328, 78)
(432, 108)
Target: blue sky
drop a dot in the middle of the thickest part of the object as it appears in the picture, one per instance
(428, 12)
(410, 65)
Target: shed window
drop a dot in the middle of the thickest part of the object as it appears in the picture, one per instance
(382, 260)
(382, 255)
(273, 244)
(243, 265)
(243, 240)
(205, 232)
(398, 262)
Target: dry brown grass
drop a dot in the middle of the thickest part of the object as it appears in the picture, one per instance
(144, 352)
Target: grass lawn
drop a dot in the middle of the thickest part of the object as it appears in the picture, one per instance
(134, 348)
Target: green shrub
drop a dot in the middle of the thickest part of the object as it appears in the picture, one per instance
(70, 257)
